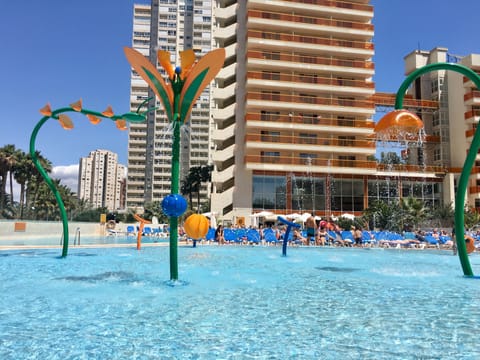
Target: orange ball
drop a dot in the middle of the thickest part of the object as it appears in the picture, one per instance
(196, 226)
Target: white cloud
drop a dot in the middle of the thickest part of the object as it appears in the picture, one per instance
(68, 175)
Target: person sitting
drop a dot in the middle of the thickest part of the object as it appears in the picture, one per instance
(298, 238)
(219, 237)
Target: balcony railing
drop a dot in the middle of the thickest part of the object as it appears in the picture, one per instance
(302, 161)
(309, 140)
(310, 40)
(309, 79)
(386, 99)
(309, 120)
(316, 60)
(472, 113)
(471, 95)
(310, 20)
(307, 99)
(339, 4)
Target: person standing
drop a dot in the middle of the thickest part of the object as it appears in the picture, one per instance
(358, 236)
(310, 225)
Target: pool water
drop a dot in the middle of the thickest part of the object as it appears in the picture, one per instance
(238, 303)
(85, 240)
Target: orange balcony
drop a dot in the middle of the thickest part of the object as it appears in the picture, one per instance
(388, 99)
(310, 40)
(308, 79)
(294, 160)
(314, 100)
(297, 139)
(474, 189)
(411, 168)
(309, 120)
(310, 20)
(279, 56)
(471, 114)
(472, 95)
(339, 4)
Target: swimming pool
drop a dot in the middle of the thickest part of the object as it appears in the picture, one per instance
(238, 303)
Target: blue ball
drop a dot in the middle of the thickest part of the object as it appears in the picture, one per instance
(174, 205)
(178, 70)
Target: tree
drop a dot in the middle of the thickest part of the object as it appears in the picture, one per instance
(413, 212)
(192, 184)
(36, 181)
(383, 215)
(23, 172)
(442, 215)
(390, 158)
(8, 158)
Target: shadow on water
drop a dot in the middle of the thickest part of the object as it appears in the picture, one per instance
(29, 253)
(120, 276)
(336, 269)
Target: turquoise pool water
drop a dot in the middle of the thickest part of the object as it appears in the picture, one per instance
(85, 240)
(238, 303)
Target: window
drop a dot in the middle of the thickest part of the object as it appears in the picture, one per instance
(307, 138)
(270, 136)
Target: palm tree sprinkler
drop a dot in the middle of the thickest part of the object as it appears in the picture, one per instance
(186, 82)
(67, 124)
(400, 118)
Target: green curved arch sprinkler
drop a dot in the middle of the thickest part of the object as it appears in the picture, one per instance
(65, 121)
(186, 82)
(401, 117)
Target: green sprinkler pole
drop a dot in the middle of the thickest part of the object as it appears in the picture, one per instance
(131, 117)
(48, 180)
(177, 85)
(469, 161)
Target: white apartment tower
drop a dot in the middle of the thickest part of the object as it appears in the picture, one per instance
(172, 25)
(100, 180)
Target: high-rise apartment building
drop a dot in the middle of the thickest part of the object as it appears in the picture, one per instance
(294, 109)
(452, 125)
(173, 26)
(101, 180)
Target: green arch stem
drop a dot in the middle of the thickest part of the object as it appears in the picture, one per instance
(130, 117)
(469, 161)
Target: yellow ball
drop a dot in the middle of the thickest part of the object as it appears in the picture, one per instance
(196, 226)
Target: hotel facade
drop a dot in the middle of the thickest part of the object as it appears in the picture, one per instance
(292, 111)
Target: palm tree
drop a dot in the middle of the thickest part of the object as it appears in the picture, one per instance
(36, 180)
(442, 215)
(383, 215)
(187, 189)
(22, 172)
(414, 211)
(193, 182)
(8, 156)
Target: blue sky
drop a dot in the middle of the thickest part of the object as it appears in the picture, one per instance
(58, 51)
